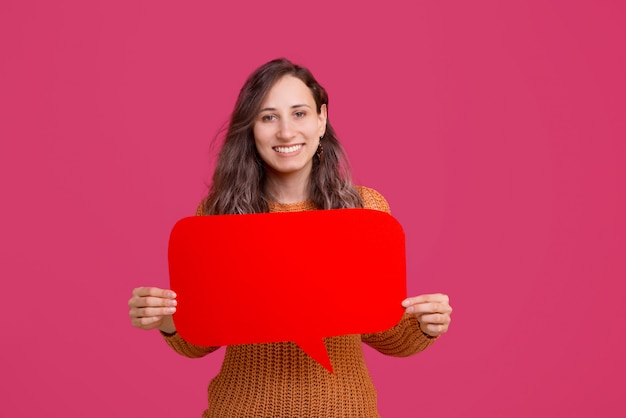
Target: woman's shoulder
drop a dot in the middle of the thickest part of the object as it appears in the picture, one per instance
(372, 199)
(200, 208)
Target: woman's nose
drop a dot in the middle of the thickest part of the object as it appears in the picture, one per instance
(285, 130)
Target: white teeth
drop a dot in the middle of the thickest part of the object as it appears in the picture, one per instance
(285, 150)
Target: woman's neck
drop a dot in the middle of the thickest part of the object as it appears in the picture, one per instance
(287, 189)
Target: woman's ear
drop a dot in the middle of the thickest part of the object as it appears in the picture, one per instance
(323, 117)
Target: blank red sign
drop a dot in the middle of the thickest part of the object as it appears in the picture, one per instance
(298, 277)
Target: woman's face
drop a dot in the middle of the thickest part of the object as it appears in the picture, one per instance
(287, 130)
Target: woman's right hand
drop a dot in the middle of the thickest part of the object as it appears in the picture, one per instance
(151, 307)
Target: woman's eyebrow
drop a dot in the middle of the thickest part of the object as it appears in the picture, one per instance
(272, 109)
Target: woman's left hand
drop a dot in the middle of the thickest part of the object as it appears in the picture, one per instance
(432, 311)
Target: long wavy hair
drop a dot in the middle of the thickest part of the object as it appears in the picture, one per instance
(238, 185)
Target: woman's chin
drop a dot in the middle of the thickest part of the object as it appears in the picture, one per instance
(289, 169)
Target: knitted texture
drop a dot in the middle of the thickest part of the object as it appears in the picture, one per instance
(280, 380)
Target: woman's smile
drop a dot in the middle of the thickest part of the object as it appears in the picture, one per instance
(288, 149)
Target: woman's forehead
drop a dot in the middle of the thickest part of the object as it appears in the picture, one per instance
(288, 91)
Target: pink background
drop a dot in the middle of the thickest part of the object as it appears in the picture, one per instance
(495, 129)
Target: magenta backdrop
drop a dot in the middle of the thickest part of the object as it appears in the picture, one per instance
(495, 129)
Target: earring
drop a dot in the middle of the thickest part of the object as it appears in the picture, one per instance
(320, 149)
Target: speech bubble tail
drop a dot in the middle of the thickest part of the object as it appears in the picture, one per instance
(317, 351)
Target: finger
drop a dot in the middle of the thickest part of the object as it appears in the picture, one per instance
(435, 319)
(433, 297)
(147, 323)
(151, 312)
(150, 301)
(434, 329)
(429, 307)
(156, 302)
(154, 291)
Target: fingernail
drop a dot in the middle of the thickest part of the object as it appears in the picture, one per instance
(171, 295)
(170, 310)
(172, 302)
(409, 309)
(405, 303)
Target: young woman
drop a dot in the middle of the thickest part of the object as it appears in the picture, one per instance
(280, 155)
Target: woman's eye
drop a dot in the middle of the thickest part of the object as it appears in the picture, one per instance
(268, 118)
(299, 114)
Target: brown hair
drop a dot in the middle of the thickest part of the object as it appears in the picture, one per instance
(239, 176)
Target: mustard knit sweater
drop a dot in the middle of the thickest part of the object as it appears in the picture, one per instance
(280, 380)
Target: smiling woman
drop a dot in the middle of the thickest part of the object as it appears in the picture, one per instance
(281, 106)
(281, 154)
(287, 135)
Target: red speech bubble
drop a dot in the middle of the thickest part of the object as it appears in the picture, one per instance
(274, 277)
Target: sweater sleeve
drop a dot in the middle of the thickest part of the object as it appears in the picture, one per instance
(372, 199)
(406, 337)
(178, 343)
(185, 348)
